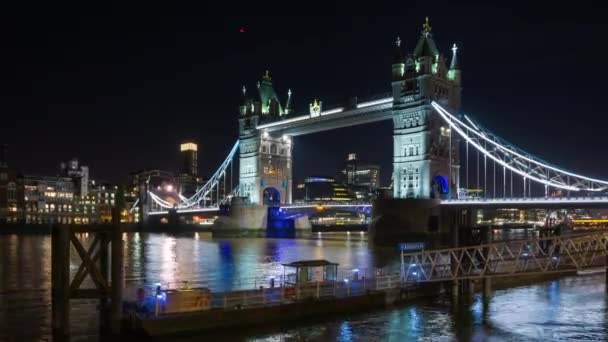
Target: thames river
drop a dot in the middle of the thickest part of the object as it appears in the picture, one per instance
(569, 309)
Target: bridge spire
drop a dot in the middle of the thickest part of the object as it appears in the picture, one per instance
(454, 73)
(244, 101)
(288, 104)
(426, 45)
(454, 65)
(398, 60)
(426, 27)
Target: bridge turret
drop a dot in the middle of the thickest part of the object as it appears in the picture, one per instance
(288, 103)
(398, 61)
(245, 106)
(454, 73)
(269, 101)
(425, 162)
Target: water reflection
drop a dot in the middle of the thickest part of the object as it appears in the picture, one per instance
(567, 309)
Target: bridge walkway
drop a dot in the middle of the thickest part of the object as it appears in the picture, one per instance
(507, 258)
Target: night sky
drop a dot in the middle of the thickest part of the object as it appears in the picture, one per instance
(120, 86)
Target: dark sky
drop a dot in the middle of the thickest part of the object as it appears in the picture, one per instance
(119, 86)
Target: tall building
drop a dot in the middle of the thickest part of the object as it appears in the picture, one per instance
(78, 173)
(189, 152)
(4, 155)
(425, 153)
(357, 173)
(326, 189)
(11, 191)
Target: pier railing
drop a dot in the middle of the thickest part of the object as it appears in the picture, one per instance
(508, 258)
(282, 294)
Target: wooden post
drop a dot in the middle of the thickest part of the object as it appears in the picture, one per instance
(60, 275)
(104, 266)
(117, 279)
(453, 261)
(487, 281)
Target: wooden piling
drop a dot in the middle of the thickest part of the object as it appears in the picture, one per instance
(487, 282)
(60, 283)
(117, 280)
(455, 237)
(104, 266)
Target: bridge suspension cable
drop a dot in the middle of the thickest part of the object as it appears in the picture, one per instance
(516, 160)
(212, 185)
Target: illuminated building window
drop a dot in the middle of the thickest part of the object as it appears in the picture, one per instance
(11, 192)
(273, 149)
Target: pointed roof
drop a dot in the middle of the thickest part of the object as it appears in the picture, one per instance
(244, 97)
(289, 103)
(267, 93)
(397, 53)
(454, 64)
(426, 45)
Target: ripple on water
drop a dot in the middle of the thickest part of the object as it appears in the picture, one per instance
(569, 309)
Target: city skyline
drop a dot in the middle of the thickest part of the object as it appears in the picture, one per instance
(128, 93)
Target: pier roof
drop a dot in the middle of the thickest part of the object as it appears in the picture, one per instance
(310, 263)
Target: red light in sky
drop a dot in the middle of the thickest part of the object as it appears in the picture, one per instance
(242, 30)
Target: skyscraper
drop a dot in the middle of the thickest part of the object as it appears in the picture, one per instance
(189, 151)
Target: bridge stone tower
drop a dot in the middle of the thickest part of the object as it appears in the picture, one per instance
(426, 154)
(265, 159)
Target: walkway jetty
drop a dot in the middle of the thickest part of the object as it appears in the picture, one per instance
(307, 289)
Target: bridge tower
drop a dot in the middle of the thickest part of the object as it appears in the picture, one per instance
(265, 159)
(425, 154)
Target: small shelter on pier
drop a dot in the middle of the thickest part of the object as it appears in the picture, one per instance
(309, 271)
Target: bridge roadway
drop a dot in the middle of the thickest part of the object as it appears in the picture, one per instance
(495, 203)
(530, 202)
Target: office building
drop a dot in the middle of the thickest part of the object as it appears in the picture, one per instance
(189, 152)
(11, 191)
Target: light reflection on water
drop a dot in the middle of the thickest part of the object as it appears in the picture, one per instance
(572, 308)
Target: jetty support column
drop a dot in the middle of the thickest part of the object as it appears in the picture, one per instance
(60, 282)
(487, 281)
(454, 237)
(117, 280)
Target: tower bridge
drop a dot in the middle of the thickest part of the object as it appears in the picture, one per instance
(438, 152)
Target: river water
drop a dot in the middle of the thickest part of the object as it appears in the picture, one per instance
(572, 308)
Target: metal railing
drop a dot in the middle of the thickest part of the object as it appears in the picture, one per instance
(283, 293)
(507, 258)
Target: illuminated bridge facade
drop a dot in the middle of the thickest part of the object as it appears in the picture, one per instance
(438, 152)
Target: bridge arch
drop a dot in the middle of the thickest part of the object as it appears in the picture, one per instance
(271, 197)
